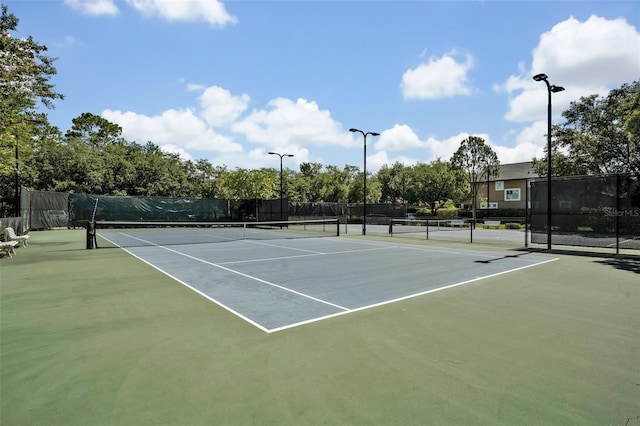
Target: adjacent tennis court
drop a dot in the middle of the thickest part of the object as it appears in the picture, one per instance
(281, 280)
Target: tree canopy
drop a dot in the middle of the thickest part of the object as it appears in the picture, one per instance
(601, 134)
(475, 158)
(25, 73)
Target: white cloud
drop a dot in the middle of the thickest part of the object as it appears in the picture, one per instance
(596, 51)
(438, 78)
(585, 58)
(93, 7)
(445, 148)
(210, 11)
(220, 107)
(288, 122)
(381, 158)
(173, 149)
(529, 143)
(398, 138)
(180, 129)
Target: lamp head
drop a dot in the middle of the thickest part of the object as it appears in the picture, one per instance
(272, 153)
(288, 155)
(540, 77)
(354, 130)
(556, 89)
(374, 134)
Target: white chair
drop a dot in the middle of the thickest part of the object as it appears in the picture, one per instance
(8, 247)
(10, 235)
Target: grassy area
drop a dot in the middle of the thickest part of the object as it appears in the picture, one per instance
(100, 338)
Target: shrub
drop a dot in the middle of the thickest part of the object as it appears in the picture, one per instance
(448, 213)
(512, 225)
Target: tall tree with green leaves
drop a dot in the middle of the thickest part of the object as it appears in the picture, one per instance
(475, 158)
(435, 184)
(599, 135)
(393, 182)
(25, 73)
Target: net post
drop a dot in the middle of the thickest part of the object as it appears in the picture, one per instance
(391, 227)
(91, 235)
(337, 227)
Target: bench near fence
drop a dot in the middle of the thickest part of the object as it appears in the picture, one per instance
(515, 219)
(491, 224)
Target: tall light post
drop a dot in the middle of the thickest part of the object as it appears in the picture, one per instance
(17, 179)
(364, 200)
(281, 192)
(551, 88)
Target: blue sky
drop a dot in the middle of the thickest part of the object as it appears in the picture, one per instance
(230, 81)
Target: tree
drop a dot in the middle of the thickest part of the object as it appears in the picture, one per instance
(25, 72)
(476, 159)
(244, 184)
(356, 189)
(435, 184)
(600, 135)
(393, 182)
(94, 130)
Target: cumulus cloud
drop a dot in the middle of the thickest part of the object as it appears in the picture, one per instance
(220, 107)
(175, 129)
(93, 7)
(210, 11)
(173, 149)
(597, 50)
(445, 148)
(589, 57)
(288, 122)
(529, 143)
(398, 138)
(438, 78)
(284, 126)
(381, 158)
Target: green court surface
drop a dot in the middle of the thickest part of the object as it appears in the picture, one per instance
(99, 337)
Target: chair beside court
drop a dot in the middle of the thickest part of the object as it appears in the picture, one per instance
(10, 235)
(8, 247)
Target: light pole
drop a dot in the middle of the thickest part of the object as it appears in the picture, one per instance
(364, 200)
(281, 193)
(551, 88)
(17, 179)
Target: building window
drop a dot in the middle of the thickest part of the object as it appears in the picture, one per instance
(512, 194)
(499, 185)
(492, 205)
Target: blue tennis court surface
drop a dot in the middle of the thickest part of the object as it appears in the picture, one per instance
(279, 284)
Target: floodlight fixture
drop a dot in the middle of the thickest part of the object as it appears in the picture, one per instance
(551, 88)
(364, 199)
(281, 180)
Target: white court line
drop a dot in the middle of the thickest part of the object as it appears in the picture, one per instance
(279, 246)
(238, 273)
(330, 253)
(344, 310)
(386, 302)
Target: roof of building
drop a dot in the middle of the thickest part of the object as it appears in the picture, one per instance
(516, 171)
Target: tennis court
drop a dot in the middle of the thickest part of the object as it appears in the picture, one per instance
(280, 281)
(98, 337)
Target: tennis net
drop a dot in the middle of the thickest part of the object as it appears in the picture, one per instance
(423, 226)
(139, 234)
